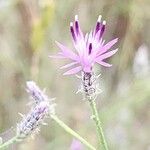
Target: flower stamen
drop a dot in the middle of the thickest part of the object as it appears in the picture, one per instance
(72, 31)
(76, 24)
(98, 24)
(90, 48)
(103, 29)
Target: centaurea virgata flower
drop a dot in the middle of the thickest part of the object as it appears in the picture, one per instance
(32, 121)
(35, 92)
(90, 49)
(43, 108)
(39, 95)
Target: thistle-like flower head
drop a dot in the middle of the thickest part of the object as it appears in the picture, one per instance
(31, 122)
(90, 48)
(42, 109)
(38, 95)
(35, 92)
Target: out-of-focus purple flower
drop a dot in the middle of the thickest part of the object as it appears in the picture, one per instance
(31, 122)
(90, 48)
(39, 96)
(76, 145)
(36, 93)
(42, 109)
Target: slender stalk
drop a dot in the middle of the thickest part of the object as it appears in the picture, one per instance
(95, 117)
(73, 133)
(9, 142)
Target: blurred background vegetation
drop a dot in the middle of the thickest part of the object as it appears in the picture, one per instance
(28, 30)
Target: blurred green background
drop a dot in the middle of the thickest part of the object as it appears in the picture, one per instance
(28, 30)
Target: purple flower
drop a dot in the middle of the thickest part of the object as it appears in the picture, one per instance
(42, 109)
(90, 48)
(39, 96)
(36, 93)
(76, 145)
(33, 120)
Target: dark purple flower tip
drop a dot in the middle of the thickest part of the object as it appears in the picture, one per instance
(97, 28)
(72, 31)
(103, 28)
(90, 48)
(76, 24)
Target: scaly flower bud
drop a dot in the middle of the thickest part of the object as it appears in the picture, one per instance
(35, 92)
(33, 120)
(89, 86)
(39, 96)
(43, 108)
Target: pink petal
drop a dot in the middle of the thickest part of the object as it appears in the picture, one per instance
(107, 55)
(103, 63)
(69, 65)
(107, 46)
(73, 71)
(66, 52)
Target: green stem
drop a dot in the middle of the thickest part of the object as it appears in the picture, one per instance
(9, 142)
(73, 133)
(95, 117)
